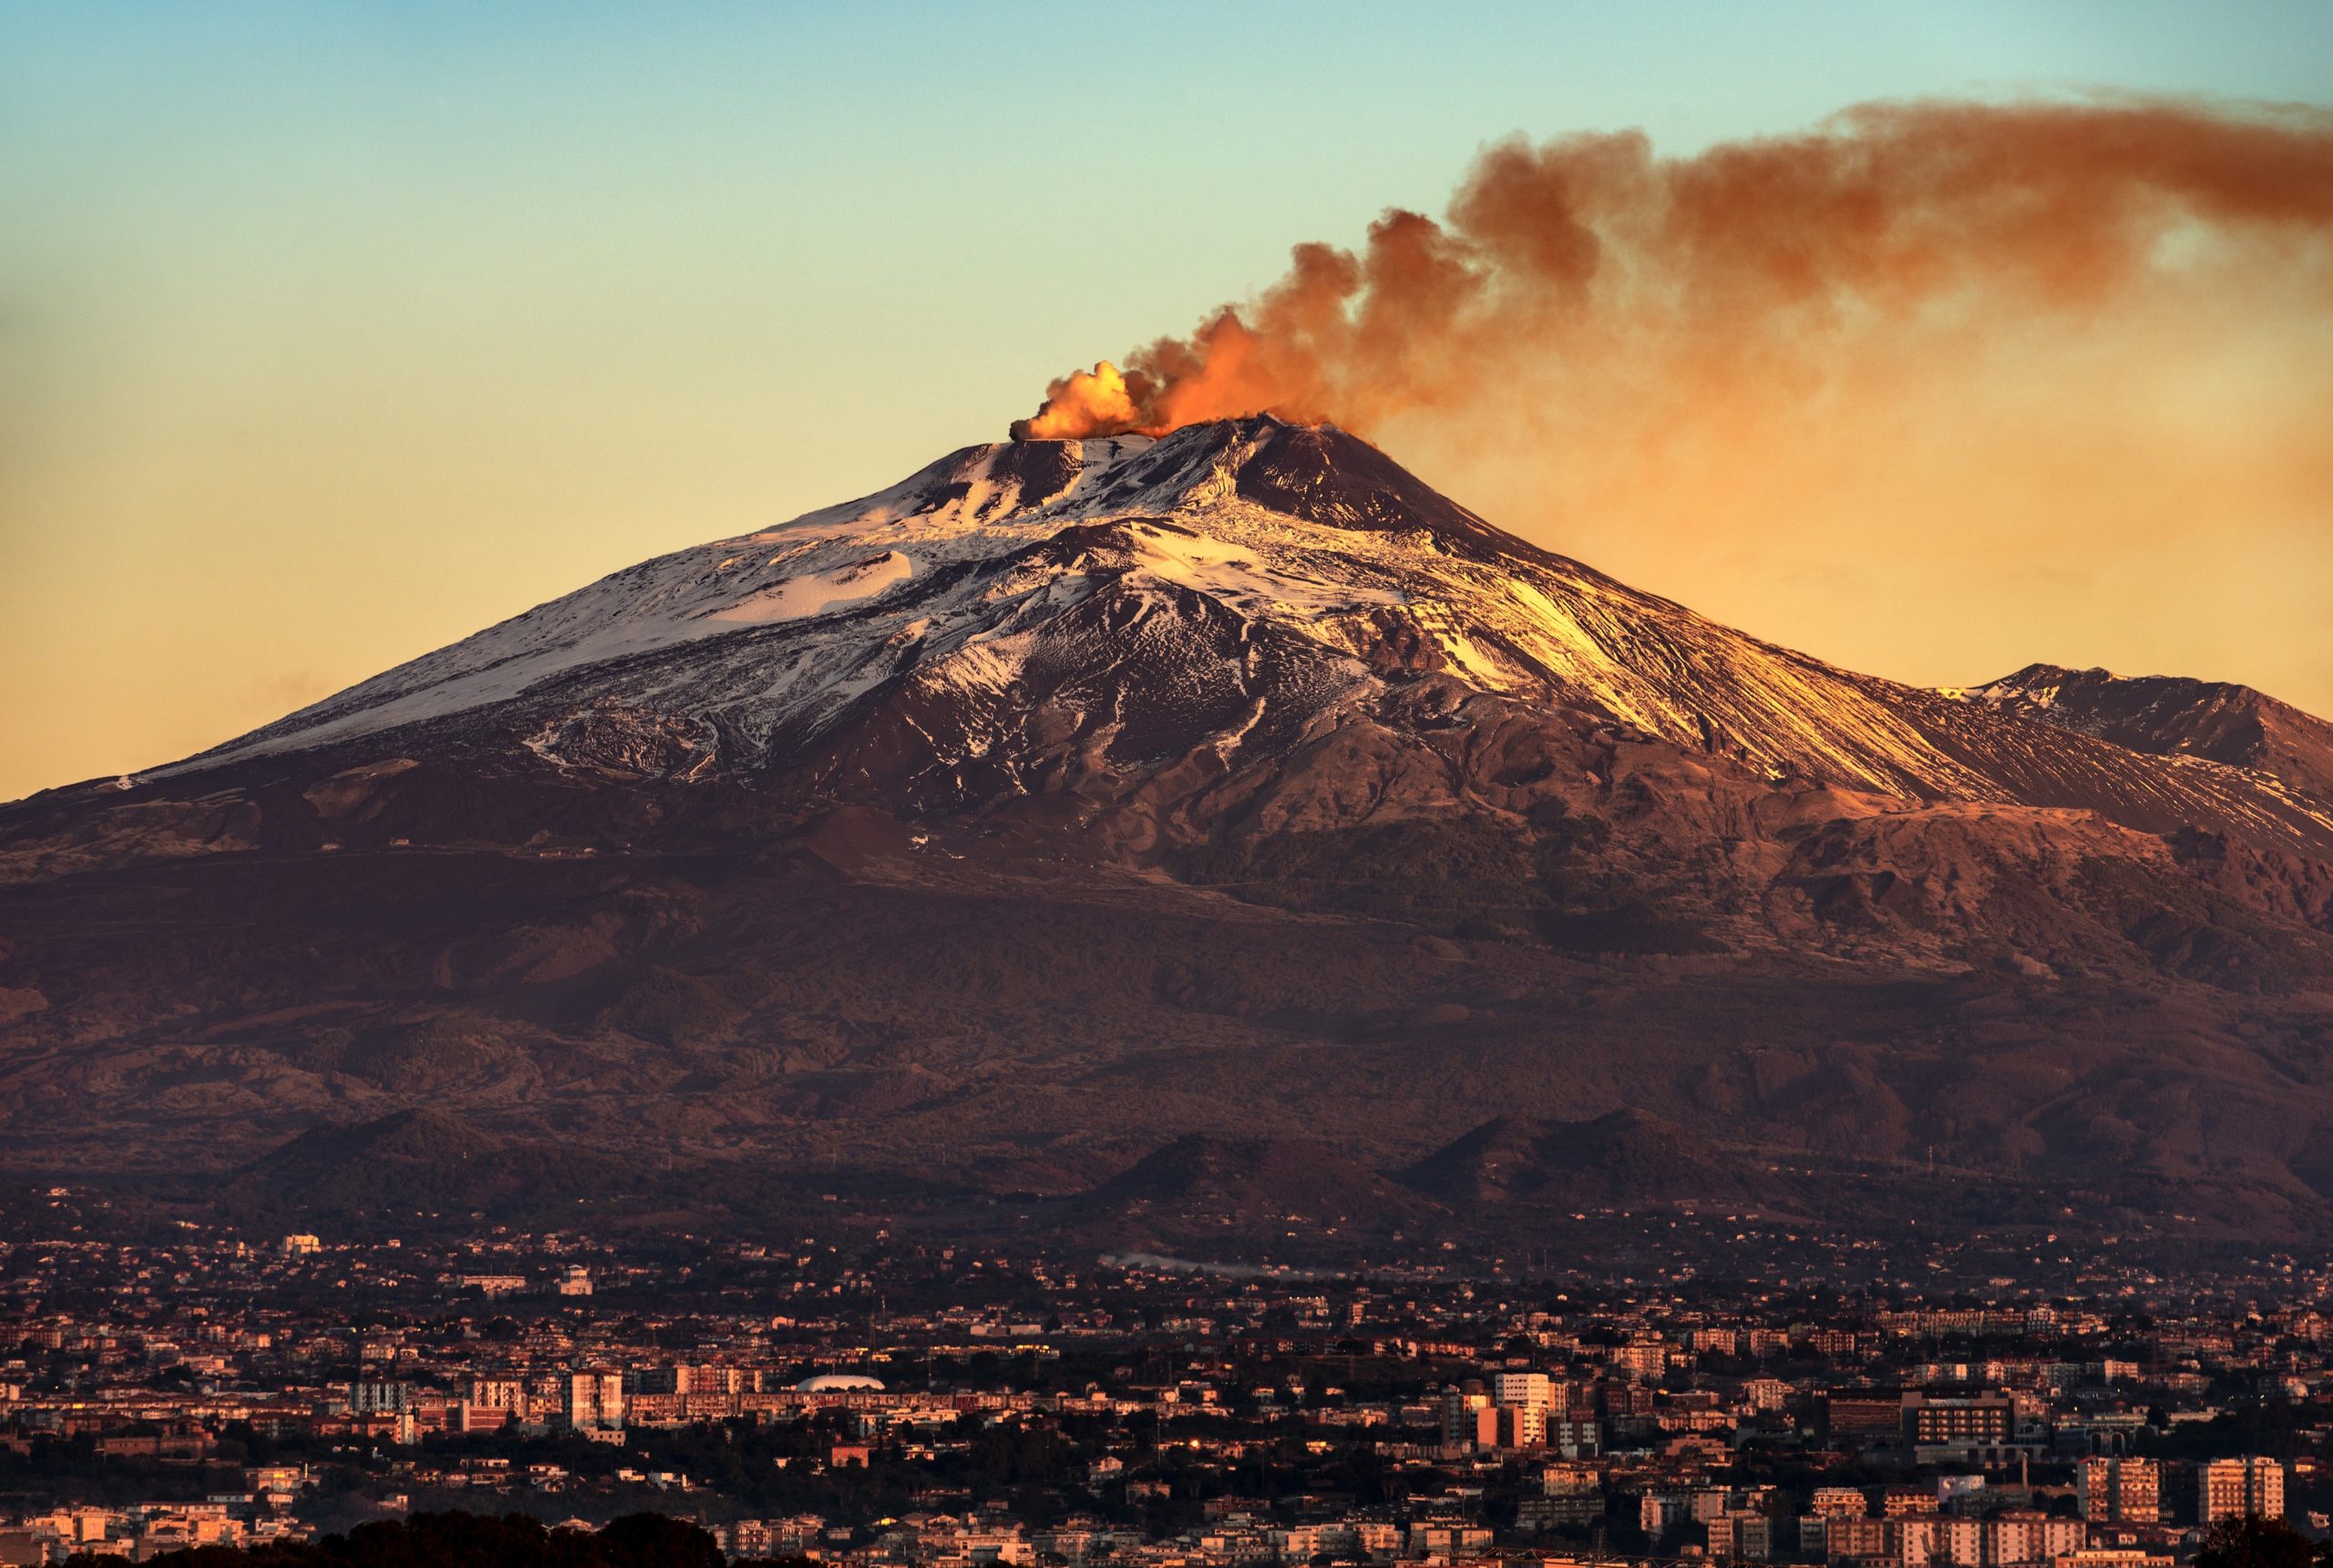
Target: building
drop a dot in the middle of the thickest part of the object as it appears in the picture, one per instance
(1469, 1418)
(1564, 1509)
(594, 1399)
(2029, 1538)
(770, 1537)
(1522, 1388)
(2231, 1488)
(1973, 1429)
(2003, 1540)
(367, 1399)
(1575, 1437)
(2118, 1490)
(499, 1394)
(1570, 1495)
(1659, 1514)
(1741, 1535)
(1850, 1538)
(1522, 1426)
(2112, 1557)
(1645, 1359)
(1434, 1539)
(1856, 1413)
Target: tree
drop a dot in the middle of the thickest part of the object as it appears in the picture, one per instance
(2248, 1541)
(656, 1541)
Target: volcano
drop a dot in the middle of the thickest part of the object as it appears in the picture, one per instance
(1070, 798)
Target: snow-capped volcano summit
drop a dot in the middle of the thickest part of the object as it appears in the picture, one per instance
(1032, 614)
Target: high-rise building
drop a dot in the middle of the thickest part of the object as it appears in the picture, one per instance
(2118, 1490)
(1469, 1418)
(594, 1399)
(1522, 1388)
(1943, 1540)
(2231, 1488)
(1522, 1426)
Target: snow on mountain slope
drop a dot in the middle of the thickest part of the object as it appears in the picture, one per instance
(1233, 585)
(822, 562)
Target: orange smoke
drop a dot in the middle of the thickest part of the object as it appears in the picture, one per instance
(1590, 257)
(1083, 402)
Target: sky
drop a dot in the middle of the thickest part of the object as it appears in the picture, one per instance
(331, 333)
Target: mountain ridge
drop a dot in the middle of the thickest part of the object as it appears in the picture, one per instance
(2175, 715)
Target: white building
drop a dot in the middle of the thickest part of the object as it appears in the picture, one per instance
(2231, 1488)
(1523, 1388)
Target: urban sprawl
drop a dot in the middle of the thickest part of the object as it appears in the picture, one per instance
(862, 1399)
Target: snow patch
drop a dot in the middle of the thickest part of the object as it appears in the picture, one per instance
(1233, 572)
(799, 598)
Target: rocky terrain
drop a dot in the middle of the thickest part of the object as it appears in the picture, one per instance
(1180, 834)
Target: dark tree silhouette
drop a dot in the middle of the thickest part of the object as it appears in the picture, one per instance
(2248, 1541)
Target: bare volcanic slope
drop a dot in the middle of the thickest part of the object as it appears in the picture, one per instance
(1070, 797)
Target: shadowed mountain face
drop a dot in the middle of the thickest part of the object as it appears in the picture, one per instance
(1198, 1187)
(1623, 1157)
(410, 1160)
(1068, 799)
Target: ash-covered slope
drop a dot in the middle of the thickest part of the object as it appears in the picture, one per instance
(1069, 798)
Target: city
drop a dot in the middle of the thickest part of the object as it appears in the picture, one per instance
(865, 1398)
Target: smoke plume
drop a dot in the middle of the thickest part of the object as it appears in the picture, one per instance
(1593, 252)
(1935, 387)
